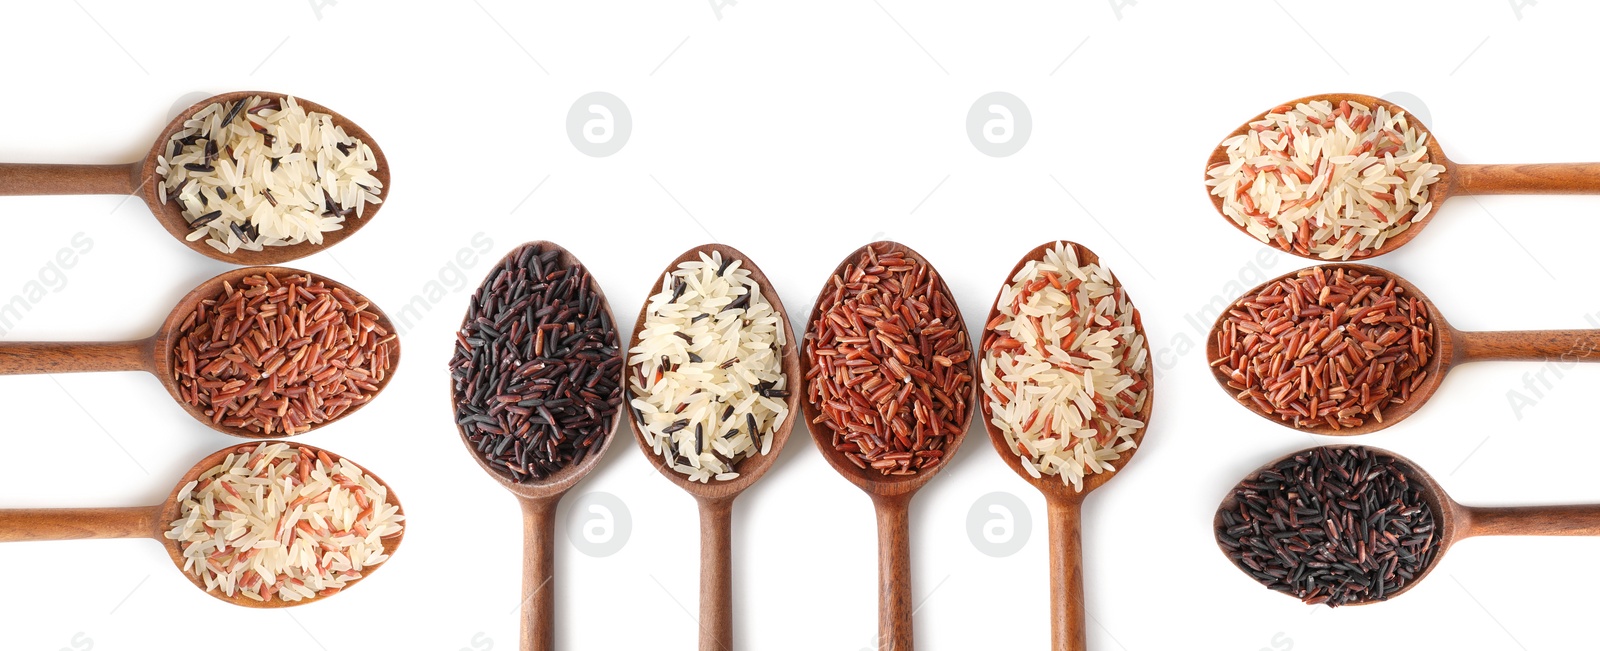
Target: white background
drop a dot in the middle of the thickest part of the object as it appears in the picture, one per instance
(798, 131)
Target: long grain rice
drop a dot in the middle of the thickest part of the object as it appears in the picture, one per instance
(707, 375)
(264, 172)
(279, 520)
(1334, 182)
(1064, 367)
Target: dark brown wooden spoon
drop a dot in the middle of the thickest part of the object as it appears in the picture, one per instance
(154, 354)
(20, 525)
(1067, 611)
(891, 494)
(1456, 522)
(1457, 179)
(1451, 347)
(540, 497)
(140, 178)
(716, 497)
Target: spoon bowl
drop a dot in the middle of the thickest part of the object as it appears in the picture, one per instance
(140, 178)
(1457, 179)
(539, 498)
(1453, 521)
(1065, 504)
(154, 521)
(1449, 347)
(891, 494)
(715, 498)
(155, 354)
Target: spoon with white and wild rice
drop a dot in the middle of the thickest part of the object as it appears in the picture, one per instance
(1067, 387)
(264, 525)
(1344, 176)
(248, 178)
(713, 370)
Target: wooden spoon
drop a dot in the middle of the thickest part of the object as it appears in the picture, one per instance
(540, 497)
(891, 494)
(141, 178)
(716, 497)
(1456, 522)
(1451, 347)
(1067, 627)
(21, 525)
(1457, 179)
(154, 354)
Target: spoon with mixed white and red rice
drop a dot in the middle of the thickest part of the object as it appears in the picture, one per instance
(263, 525)
(1343, 176)
(1066, 388)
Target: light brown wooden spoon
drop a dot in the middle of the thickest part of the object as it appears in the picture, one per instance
(1456, 522)
(140, 178)
(1451, 347)
(21, 525)
(1457, 179)
(540, 497)
(716, 497)
(891, 495)
(1067, 626)
(154, 354)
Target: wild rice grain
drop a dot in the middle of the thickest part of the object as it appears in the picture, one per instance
(889, 363)
(537, 370)
(1332, 525)
(1331, 345)
(276, 356)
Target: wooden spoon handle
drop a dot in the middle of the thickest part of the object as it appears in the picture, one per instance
(1530, 345)
(28, 358)
(1546, 178)
(539, 574)
(716, 575)
(1582, 520)
(18, 525)
(32, 179)
(1067, 631)
(894, 573)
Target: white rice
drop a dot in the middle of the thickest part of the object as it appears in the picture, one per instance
(710, 373)
(248, 194)
(294, 525)
(1063, 368)
(1335, 182)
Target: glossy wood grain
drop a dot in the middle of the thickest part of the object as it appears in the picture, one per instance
(1064, 503)
(1457, 179)
(1451, 347)
(540, 498)
(891, 495)
(153, 521)
(154, 355)
(140, 178)
(1456, 522)
(716, 497)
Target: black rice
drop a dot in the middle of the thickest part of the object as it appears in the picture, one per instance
(1331, 525)
(537, 369)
